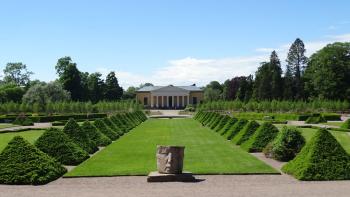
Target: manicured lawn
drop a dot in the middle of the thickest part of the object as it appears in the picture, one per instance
(206, 152)
(31, 136)
(342, 137)
(338, 124)
(6, 125)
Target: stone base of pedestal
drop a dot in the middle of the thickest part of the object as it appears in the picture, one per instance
(158, 177)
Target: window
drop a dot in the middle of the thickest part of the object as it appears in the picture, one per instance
(145, 101)
(194, 100)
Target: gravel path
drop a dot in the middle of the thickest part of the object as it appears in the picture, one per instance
(35, 126)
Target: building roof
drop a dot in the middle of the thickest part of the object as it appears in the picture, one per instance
(152, 88)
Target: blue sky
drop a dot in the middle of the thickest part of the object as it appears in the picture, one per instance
(164, 42)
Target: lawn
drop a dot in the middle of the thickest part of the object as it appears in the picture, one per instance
(31, 136)
(6, 125)
(338, 124)
(206, 152)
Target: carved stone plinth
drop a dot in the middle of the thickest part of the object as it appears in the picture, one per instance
(159, 177)
(170, 159)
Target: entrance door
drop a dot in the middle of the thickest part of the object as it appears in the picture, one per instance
(170, 101)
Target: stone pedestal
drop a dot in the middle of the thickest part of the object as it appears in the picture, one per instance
(169, 165)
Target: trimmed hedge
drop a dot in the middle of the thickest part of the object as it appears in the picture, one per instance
(23, 121)
(248, 130)
(287, 144)
(95, 135)
(262, 137)
(103, 128)
(315, 119)
(58, 145)
(323, 158)
(228, 126)
(119, 123)
(22, 163)
(237, 127)
(73, 130)
(222, 123)
(112, 126)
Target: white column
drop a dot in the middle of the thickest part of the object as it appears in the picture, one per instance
(172, 101)
(157, 97)
(188, 99)
(162, 101)
(151, 101)
(177, 101)
(167, 101)
(183, 101)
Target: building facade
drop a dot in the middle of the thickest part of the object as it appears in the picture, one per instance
(169, 97)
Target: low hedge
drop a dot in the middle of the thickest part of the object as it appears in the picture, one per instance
(23, 121)
(73, 130)
(23, 163)
(58, 145)
(322, 158)
(315, 119)
(40, 118)
(287, 144)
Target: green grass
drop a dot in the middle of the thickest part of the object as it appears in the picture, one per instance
(342, 137)
(6, 125)
(206, 152)
(338, 124)
(31, 136)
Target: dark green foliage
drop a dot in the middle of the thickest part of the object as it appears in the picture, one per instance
(58, 145)
(213, 120)
(217, 121)
(315, 119)
(322, 158)
(23, 121)
(73, 130)
(264, 135)
(23, 163)
(112, 126)
(95, 135)
(222, 123)
(228, 125)
(248, 130)
(331, 117)
(287, 144)
(238, 126)
(103, 128)
(346, 124)
(119, 123)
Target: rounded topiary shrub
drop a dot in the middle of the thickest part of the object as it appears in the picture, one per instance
(286, 145)
(58, 145)
(95, 135)
(103, 128)
(346, 124)
(23, 163)
(73, 130)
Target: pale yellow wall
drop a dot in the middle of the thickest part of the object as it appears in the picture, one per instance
(199, 96)
(141, 95)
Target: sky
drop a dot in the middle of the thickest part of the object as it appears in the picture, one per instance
(164, 42)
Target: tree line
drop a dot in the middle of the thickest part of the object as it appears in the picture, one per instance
(325, 75)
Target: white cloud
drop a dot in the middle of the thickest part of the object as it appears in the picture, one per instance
(191, 70)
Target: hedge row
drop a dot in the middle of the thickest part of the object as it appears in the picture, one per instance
(11, 118)
(23, 163)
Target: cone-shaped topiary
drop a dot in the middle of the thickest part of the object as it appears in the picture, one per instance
(58, 145)
(73, 130)
(22, 163)
(264, 135)
(119, 123)
(103, 128)
(286, 145)
(346, 124)
(222, 123)
(112, 126)
(228, 125)
(322, 158)
(217, 121)
(247, 131)
(95, 135)
(237, 127)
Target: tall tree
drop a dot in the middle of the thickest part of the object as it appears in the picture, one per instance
(245, 90)
(296, 63)
(96, 87)
(113, 90)
(17, 73)
(328, 72)
(276, 76)
(70, 77)
(288, 90)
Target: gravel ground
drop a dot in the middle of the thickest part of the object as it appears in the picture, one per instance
(214, 185)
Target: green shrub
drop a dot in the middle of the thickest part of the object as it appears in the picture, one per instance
(58, 123)
(248, 130)
(228, 126)
(287, 144)
(331, 116)
(95, 135)
(346, 124)
(23, 163)
(217, 121)
(322, 158)
(23, 121)
(190, 108)
(73, 130)
(222, 123)
(112, 126)
(119, 123)
(315, 119)
(213, 120)
(58, 145)
(237, 127)
(264, 135)
(103, 128)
